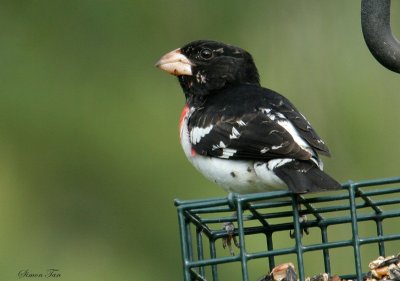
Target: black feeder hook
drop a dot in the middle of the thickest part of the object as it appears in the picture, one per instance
(375, 21)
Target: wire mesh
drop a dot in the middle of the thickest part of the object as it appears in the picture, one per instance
(343, 223)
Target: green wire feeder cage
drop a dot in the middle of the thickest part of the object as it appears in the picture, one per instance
(348, 228)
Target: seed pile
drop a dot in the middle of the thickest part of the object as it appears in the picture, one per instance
(381, 269)
(384, 269)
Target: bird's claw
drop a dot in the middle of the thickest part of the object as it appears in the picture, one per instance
(303, 219)
(229, 227)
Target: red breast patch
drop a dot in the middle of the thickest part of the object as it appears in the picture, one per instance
(183, 115)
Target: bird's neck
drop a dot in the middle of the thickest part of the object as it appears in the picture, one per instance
(197, 93)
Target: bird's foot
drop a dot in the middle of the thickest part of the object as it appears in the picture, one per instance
(229, 227)
(302, 219)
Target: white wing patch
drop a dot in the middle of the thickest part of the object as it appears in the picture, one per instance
(197, 133)
(235, 134)
(275, 147)
(295, 135)
(218, 146)
(275, 163)
(271, 115)
(241, 123)
(265, 110)
(228, 152)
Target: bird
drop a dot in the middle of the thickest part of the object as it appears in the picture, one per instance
(238, 134)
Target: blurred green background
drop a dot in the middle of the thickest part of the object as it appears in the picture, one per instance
(90, 158)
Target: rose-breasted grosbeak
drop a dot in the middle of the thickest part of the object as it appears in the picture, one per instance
(242, 136)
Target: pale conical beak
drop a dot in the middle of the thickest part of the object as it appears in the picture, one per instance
(175, 63)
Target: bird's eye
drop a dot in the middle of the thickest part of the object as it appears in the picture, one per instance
(206, 54)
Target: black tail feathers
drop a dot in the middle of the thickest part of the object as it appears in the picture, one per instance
(305, 176)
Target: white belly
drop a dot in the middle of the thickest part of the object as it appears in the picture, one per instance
(233, 175)
(237, 175)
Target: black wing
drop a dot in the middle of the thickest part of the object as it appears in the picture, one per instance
(260, 125)
(303, 127)
(248, 136)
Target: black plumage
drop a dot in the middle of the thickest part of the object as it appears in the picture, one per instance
(231, 117)
(247, 105)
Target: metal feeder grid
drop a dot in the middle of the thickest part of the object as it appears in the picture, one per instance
(358, 202)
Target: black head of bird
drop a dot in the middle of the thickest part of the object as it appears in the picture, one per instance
(205, 66)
